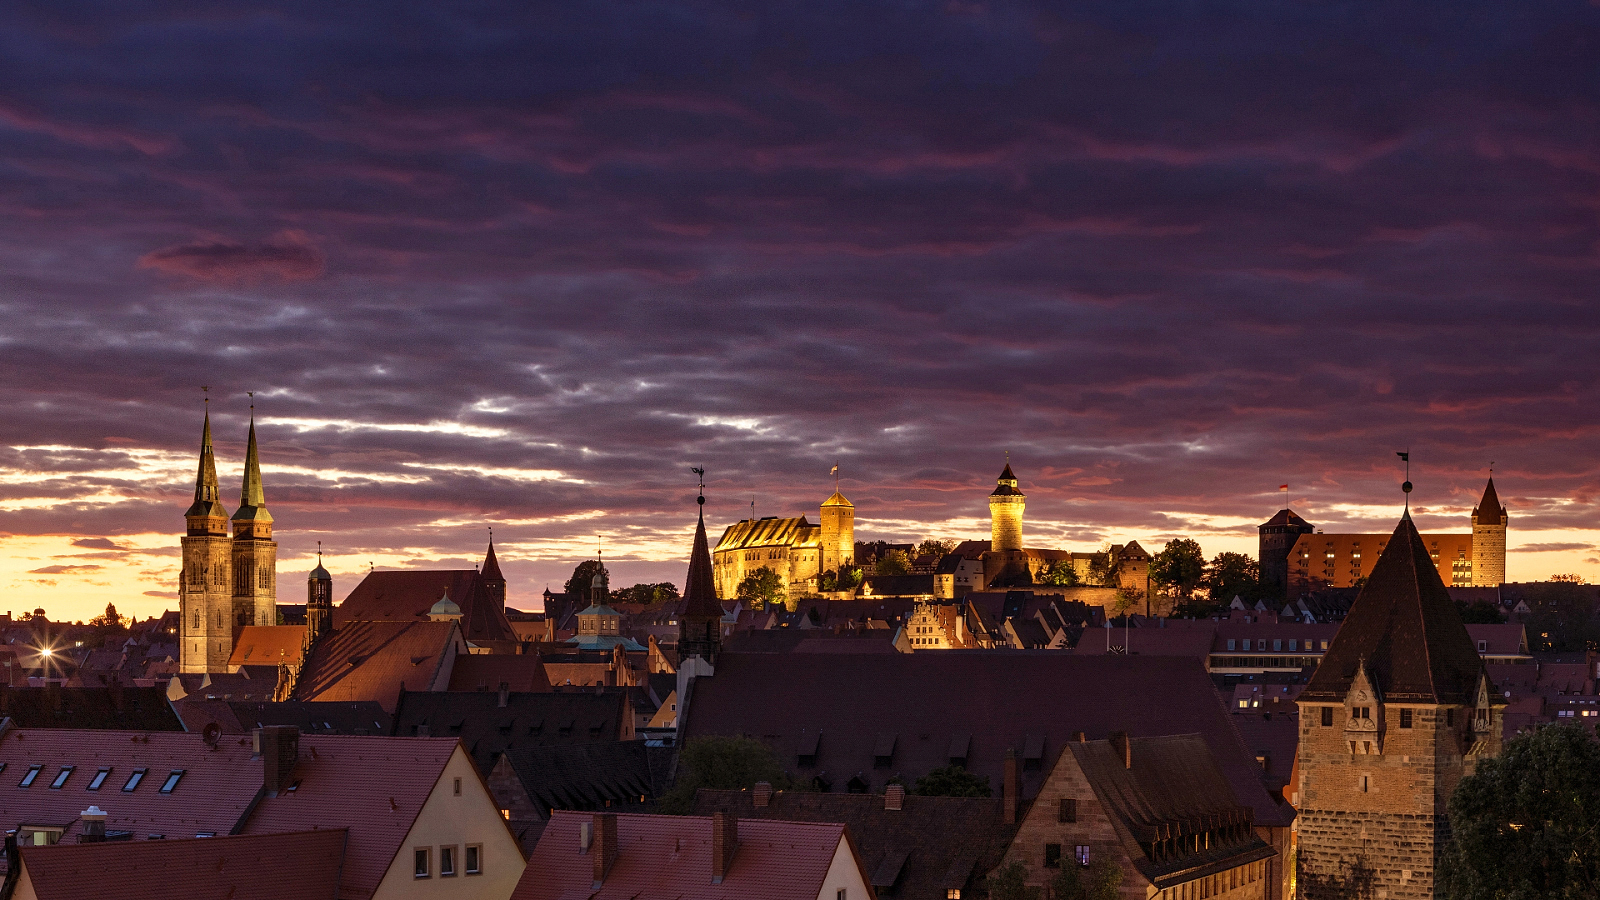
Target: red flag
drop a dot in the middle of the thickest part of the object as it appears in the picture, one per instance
(1283, 487)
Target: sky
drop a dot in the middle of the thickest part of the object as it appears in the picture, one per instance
(522, 265)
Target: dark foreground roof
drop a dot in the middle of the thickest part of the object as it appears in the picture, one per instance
(311, 717)
(237, 867)
(115, 707)
(487, 729)
(591, 776)
(926, 848)
(837, 718)
(1404, 627)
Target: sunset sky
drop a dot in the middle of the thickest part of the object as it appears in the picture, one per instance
(523, 265)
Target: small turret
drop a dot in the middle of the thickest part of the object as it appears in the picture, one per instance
(319, 600)
(444, 609)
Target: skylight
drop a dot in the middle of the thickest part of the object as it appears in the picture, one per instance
(27, 780)
(99, 778)
(134, 779)
(172, 781)
(61, 777)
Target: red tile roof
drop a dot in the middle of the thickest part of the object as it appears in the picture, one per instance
(670, 856)
(268, 645)
(407, 597)
(485, 672)
(373, 660)
(376, 786)
(220, 868)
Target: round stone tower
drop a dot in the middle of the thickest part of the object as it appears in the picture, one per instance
(1005, 513)
(838, 533)
(1489, 520)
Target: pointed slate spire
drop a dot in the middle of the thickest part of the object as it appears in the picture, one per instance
(1405, 629)
(252, 498)
(207, 495)
(699, 587)
(1489, 511)
(491, 565)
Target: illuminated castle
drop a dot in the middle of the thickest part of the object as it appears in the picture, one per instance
(797, 550)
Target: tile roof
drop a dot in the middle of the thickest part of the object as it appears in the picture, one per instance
(1167, 787)
(933, 844)
(1405, 629)
(241, 867)
(268, 645)
(670, 856)
(375, 786)
(311, 717)
(1286, 517)
(375, 660)
(522, 672)
(407, 596)
(486, 728)
(999, 698)
(770, 532)
(699, 585)
(121, 707)
(1489, 510)
(590, 776)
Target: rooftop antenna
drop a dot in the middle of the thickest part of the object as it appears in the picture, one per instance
(1406, 486)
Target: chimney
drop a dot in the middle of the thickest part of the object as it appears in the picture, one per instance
(1124, 747)
(605, 846)
(762, 794)
(280, 747)
(894, 797)
(1008, 789)
(505, 694)
(94, 825)
(1080, 737)
(724, 843)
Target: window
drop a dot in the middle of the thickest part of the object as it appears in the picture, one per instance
(1483, 646)
(1069, 810)
(1405, 718)
(1052, 856)
(1327, 716)
(1231, 643)
(1450, 717)
(447, 862)
(172, 781)
(1277, 645)
(1081, 853)
(1292, 645)
(61, 777)
(458, 785)
(422, 862)
(27, 780)
(1247, 643)
(474, 859)
(1362, 784)
(134, 779)
(840, 895)
(99, 778)
(952, 894)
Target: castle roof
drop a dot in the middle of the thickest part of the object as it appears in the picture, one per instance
(1405, 630)
(770, 532)
(1286, 517)
(837, 500)
(1489, 510)
(699, 587)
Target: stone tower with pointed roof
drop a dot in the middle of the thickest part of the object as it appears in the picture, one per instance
(1006, 504)
(1489, 539)
(700, 613)
(1278, 535)
(205, 591)
(255, 553)
(1397, 712)
(319, 601)
(838, 539)
(493, 583)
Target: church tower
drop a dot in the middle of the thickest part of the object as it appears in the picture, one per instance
(1489, 539)
(1396, 714)
(319, 601)
(838, 519)
(493, 583)
(1005, 513)
(205, 597)
(255, 553)
(700, 615)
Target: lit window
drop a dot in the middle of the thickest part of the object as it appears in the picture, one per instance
(134, 779)
(61, 777)
(474, 859)
(172, 781)
(1081, 853)
(422, 862)
(27, 780)
(99, 779)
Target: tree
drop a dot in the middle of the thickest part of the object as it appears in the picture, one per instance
(721, 763)
(1179, 567)
(762, 588)
(665, 592)
(582, 578)
(894, 562)
(1100, 569)
(1101, 880)
(1010, 882)
(1480, 612)
(952, 781)
(935, 547)
(1233, 575)
(1059, 573)
(111, 619)
(1525, 824)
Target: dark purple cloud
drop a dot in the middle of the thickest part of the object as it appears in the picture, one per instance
(1169, 256)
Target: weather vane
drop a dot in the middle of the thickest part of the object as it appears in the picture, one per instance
(700, 473)
(1406, 486)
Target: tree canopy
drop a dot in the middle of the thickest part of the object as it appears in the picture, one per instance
(1179, 567)
(762, 588)
(1059, 573)
(582, 578)
(952, 781)
(893, 562)
(1233, 575)
(665, 592)
(1009, 882)
(1480, 612)
(1100, 880)
(723, 763)
(935, 547)
(1526, 825)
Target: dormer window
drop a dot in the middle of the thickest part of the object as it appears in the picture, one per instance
(1483, 646)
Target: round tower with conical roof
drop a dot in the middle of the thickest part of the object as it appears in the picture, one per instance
(1005, 512)
(1489, 520)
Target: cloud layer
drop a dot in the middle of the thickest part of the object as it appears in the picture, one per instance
(523, 268)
